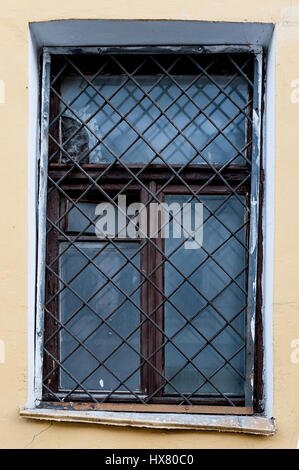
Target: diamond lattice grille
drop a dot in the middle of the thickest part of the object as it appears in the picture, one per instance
(132, 316)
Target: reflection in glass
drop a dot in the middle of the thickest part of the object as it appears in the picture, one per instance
(198, 126)
(214, 286)
(104, 340)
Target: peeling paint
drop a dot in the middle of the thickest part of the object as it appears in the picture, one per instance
(240, 424)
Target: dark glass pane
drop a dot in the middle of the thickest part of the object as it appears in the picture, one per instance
(212, 284)
(77, 221)
(102, 342)
(200, 127)
(113, 220)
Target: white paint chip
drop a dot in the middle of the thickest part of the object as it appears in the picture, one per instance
(101, 382)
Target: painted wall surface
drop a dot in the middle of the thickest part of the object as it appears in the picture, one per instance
(14, 18)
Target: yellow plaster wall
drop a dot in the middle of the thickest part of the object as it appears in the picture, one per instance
(14, 18)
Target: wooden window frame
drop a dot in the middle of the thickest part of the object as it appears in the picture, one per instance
(197, 174)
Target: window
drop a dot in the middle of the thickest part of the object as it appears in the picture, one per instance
(149, 228)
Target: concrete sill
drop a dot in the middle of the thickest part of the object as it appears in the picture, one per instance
(227, 423)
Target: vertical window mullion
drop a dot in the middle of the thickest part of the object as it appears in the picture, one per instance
(145, 337)
(152, 336)
(158, 280)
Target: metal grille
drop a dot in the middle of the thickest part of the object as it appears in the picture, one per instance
(151, 125)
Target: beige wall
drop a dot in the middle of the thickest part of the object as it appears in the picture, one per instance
(14, 18)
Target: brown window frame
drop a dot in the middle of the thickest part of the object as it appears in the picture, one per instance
(153, 178)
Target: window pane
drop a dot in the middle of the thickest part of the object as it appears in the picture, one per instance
(200, 117)
(76, 220)
(211, 284)
(80, 216)
(102, 342)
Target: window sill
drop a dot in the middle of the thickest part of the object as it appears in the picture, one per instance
(227, 423)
